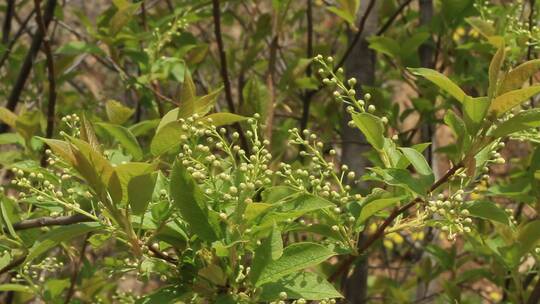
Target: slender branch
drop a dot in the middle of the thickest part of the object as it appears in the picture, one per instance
(6, 27)
(16, 37)
(76, 270)
(51, 221)
(51, 105)
(388, 221)
(392, 18)
(15, 94)
(309, 53)
(361, 26)
(224, 70)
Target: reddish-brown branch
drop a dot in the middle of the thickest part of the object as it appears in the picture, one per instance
(388, 221)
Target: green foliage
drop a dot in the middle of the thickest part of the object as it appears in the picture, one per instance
(170, 158)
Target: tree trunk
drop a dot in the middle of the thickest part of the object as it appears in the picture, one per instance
(361, 65)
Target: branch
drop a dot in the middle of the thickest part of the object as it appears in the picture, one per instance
(17, 35)
(309, 54)
(224, 70)
(392, 18)
(6, 27)
(51, 221)
(51, 105)
(75, 274)
(361, 26)
(15, 94)
(395, 213)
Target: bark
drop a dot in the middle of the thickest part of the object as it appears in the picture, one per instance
(361, 65)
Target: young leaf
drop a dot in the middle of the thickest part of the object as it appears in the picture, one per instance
(222, 119)
(200, 106)
(88, 134)
(167, 138)
(521, 121)
(117, 113)
(489, 211)
(140, 189)
(495, 69)
(372, 127)
(188, 93)
(189, 200)
(120, 179)
(306, 285)
(474, 112)
(529, 235)
(417, 160)
(505, 102)
(125, 138)
(8, 117)
(54, 237)
(441, 81)
(483, 27)
(517, 76)
(270, 250)
(295, 257)
(375, 206)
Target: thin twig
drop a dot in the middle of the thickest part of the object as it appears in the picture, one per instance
(16, 37)
(76, 270)
(224, 70)
(361, 26)
(309, 53)
(392, 18)
(51, 105)
(17, 89)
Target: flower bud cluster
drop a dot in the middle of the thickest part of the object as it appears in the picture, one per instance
(451, 214)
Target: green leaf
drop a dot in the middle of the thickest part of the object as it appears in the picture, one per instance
(57, 235)
(165, 295)
(372, 127)
(16, 288)
(306, 285)
(270, 250)
(200, 106)
(474, 112)
(140, 189)
(403, 178)
(521, 121)
(75, 48)
(385, 45)
(60, 148)
(117, 113)
(222, 119)
(124, 137)
(529, 235)
(122, 176)
(92, 166)
(517, 76)
(377, 205)
(188, 93)
(488, 210)
(88, 134)
(417, 160)
(484, 28)
(122, 17)
(143, 127)
(167, 138)
(441, 81)
(458, 128)
(190, 201)
(505, 102)
(8, 117)
(494, 70)
(295, 257)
